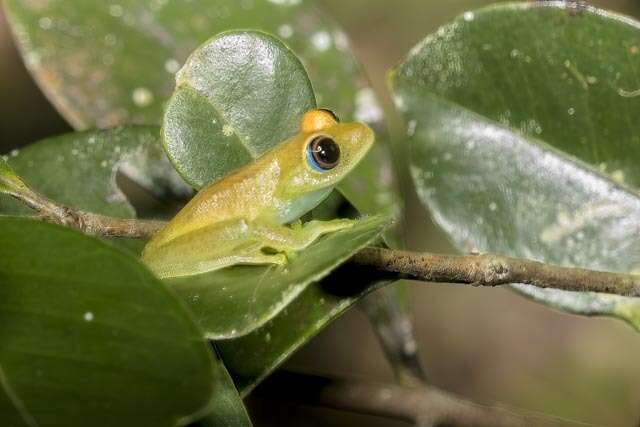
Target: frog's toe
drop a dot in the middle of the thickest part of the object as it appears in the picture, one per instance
(280, 259)
(337, 225)
(290, 254)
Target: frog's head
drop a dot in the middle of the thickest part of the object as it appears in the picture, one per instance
(325, 151)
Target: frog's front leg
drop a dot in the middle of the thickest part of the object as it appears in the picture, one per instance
(289, 239)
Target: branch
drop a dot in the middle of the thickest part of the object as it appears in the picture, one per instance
(87, 222)
(394, 330)
(493, 270)
(423, 406)
(476, 270)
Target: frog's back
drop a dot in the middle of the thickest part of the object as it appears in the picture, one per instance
(241, 195)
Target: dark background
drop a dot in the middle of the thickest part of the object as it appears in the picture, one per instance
(486, 344)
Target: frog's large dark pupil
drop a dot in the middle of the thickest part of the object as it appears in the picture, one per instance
(325, 152)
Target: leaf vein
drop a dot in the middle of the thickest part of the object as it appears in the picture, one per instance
(28, 419)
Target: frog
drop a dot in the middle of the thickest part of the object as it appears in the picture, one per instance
(253, 215)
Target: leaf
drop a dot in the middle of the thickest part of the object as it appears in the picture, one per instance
(79, 56)
(105, 63)
(586, 303)
(227, 409)
(234, 301)
(89, 334)
(527, 145)
(213, 123)
(79, 169)
(251, 358)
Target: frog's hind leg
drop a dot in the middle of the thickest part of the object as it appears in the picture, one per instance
(234, 242)
(250, 253)
(289, 239)
(208, 249)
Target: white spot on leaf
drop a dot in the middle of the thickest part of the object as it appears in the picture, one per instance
(569, 223)
(227, 130)
(116, 10)
(285, 31)
(45, 22)
(142, 97)
(411, 127)
(367, 108)
(172, 66)
(340, 40)
(321, 41)
(286, 2)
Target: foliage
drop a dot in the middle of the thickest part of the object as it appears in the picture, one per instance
(91, 321)
(523, 145)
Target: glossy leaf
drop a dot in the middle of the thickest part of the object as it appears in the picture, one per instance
(252, 357)
(89, 334)
(79, 169)
(104, 64)
(527, 145)
(227, 408)
(238, 95)
(234, 301)
(586, 303)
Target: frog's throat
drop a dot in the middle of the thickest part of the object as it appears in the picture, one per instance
(303, 204)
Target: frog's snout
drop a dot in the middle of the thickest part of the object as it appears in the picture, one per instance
(368, 135)
(361, 138)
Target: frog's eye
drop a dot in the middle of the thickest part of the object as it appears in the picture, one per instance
(332, 114)
(323, 153)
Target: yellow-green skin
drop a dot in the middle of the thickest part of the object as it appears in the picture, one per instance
(242, 219)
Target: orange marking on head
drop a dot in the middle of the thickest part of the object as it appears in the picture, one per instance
(316, 120)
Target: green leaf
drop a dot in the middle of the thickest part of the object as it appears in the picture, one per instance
(104, 64)
(238, 95)
(89, 334)
(79, 169)
(528, 145)
(227, 409)
(251, 358)
(586, 303)
(234, 301)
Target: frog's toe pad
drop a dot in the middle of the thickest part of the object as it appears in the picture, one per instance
(338, 224)
(280, 259)
(268, 256)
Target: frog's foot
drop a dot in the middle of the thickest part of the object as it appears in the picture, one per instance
(205, 265)
(259, 258)
(290, 239)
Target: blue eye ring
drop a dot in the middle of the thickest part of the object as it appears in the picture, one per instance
(323, 153)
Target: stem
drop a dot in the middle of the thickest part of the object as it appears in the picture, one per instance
(394, 330)
(424, 406)
(477, 270)
(87, 222)
(493, 270)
